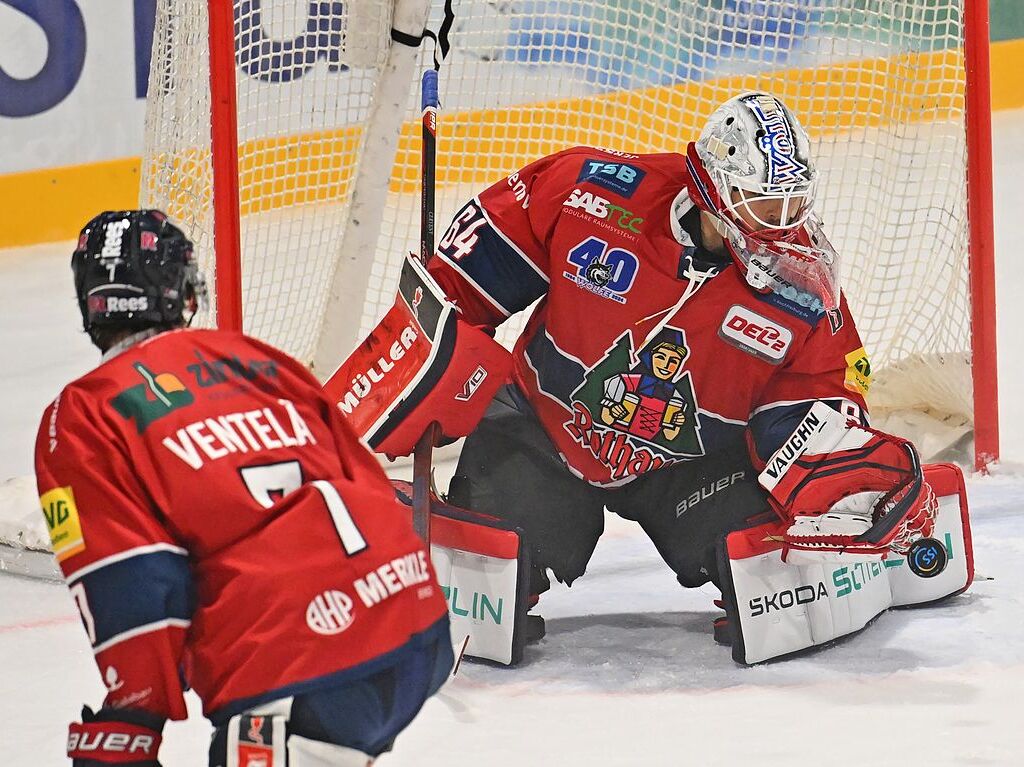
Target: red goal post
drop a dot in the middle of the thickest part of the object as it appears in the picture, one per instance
(287, 145)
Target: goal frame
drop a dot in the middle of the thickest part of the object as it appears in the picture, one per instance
(981, 247)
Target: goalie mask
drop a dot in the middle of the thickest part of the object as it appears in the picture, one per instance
(135, 269)
(750, 170)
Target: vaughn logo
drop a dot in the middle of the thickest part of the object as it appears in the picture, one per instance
(330, 612)
(755, 334)
(786, 455)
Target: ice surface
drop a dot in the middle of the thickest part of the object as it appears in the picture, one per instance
(628, 673)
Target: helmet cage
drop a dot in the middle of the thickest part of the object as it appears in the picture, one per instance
(798, 264)
(797, 204)
(754, 149)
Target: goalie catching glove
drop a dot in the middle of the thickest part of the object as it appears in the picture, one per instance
(846, 490)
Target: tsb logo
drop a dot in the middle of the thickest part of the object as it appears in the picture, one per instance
(755, 334)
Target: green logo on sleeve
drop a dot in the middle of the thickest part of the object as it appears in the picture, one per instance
(160, 394)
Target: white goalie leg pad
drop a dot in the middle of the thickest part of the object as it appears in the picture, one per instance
(303, 752)
(776, 608)
(483, 566)
(924, 582)
(484, 575)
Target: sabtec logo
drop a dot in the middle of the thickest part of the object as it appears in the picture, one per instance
(618, 217)
(783, 600)
(755, 334)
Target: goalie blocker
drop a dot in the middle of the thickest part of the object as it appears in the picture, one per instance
(420, 365)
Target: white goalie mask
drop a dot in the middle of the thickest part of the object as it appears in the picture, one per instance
(754, 150)
(751, 171)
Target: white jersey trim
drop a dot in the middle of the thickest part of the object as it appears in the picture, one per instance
(712, 414)
(140, 630)
(121, 556)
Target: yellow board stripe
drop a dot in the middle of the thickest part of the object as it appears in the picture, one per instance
(52, 204)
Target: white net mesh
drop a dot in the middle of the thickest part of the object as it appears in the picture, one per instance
(878, 83)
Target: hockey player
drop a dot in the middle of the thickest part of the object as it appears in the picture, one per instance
(221, 528)
(689, 330)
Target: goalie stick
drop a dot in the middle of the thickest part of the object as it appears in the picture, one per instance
(423, 454)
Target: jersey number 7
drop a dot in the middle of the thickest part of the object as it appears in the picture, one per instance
(269, 483)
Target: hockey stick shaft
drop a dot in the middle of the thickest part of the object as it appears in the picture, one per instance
(423, 453)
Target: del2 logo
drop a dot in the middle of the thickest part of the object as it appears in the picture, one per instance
(755, 334)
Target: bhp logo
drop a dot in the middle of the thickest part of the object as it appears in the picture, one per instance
(755, 334)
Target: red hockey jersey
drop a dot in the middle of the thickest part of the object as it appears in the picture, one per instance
(645, 349)
(219, 525)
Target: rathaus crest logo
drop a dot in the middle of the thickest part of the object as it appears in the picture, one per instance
(636, 412)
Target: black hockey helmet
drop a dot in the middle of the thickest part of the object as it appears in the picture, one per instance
(135, 269)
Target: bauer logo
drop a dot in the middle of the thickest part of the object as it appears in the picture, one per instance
(755, 334)
(330, 612)
(618, 177)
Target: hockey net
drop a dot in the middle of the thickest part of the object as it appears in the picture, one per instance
(328, 125)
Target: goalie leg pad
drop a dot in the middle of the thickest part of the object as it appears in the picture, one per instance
(776, 609)
(483, 566)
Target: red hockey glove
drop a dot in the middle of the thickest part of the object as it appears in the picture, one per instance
(846, 489)
(115, 736)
